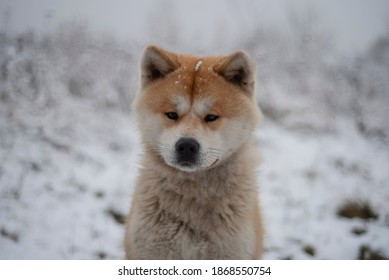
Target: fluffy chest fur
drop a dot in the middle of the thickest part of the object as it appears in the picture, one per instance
(194, 218)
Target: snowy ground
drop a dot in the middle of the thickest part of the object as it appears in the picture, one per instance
(67, 173)
(305, 179)
(64, 174)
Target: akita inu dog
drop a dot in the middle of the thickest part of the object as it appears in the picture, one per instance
(196, 195)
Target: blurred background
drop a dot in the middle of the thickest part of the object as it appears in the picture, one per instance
(69, 148)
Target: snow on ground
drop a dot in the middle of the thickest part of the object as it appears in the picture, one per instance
(65, 175)
(305, 179)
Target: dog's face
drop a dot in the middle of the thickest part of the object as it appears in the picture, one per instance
(195, 112)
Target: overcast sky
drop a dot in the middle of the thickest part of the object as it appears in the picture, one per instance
(354, 23)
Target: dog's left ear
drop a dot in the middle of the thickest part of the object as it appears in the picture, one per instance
(237, 69)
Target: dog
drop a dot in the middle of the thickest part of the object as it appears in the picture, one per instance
(196, 193)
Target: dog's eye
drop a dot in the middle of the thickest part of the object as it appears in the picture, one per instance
(210, 118)
(172, 115)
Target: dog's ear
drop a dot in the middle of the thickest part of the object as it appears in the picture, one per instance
(237, 69)
(156, 63)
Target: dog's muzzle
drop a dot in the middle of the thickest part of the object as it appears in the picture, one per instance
(187, 152)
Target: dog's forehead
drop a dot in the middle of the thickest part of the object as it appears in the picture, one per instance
(199, 105)
(194, 71)
(191, 82)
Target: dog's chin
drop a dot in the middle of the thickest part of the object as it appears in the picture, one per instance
(191, 167)
(185, 167)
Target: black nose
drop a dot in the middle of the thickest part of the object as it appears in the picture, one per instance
(187, 150)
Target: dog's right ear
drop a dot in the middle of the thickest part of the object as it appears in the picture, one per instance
(157, 63)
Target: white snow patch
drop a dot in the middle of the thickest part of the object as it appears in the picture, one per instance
(198, 65)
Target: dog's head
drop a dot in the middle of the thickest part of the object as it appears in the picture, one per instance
(195, 112)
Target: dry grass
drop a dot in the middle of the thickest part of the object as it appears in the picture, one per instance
(357, 209)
